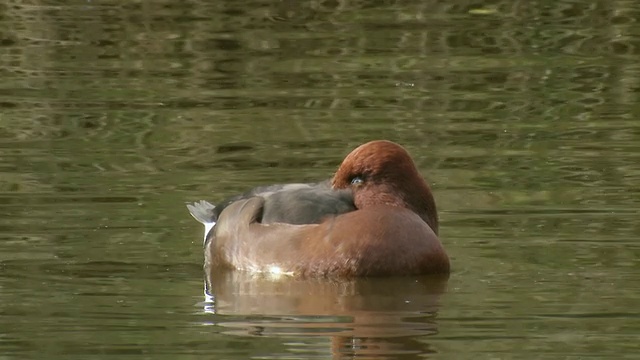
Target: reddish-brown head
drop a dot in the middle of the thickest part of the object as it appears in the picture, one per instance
(382, 173)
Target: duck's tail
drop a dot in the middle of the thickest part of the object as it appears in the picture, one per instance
(203, 212)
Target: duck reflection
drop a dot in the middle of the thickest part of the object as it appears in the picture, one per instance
(362, 317)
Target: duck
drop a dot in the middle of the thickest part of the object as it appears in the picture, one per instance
(376, 216)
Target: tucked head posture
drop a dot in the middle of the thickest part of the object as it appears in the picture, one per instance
(382, 173)
(392, 231)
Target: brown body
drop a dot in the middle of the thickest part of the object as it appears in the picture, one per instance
(393, 230)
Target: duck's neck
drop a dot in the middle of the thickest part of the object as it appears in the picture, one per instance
(425, 206)
(415, 196)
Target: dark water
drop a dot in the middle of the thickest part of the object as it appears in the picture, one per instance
(524, 115)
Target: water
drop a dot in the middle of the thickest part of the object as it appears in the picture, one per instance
(522, 115)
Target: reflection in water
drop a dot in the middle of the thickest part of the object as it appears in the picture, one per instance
(376, 316)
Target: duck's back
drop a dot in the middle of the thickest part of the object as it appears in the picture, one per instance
(304, 203)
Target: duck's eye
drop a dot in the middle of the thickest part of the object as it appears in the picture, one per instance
(357, 180)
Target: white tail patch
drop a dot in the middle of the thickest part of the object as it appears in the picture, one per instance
(202, 211)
